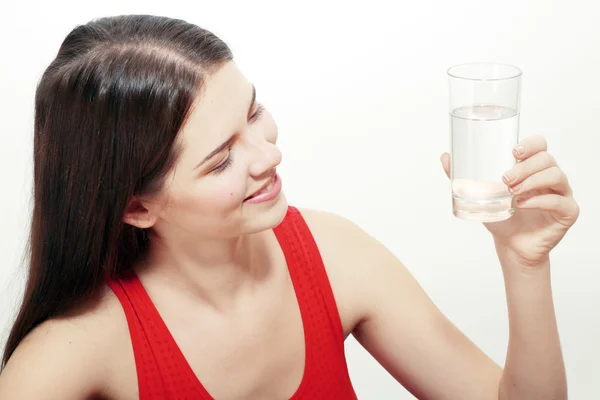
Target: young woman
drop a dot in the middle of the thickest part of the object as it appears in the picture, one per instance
(166, 263)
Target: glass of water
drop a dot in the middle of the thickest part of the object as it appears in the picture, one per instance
(484, 121)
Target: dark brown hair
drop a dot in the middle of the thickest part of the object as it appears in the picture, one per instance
(107, 112)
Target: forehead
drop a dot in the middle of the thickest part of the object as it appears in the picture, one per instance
(218, 111)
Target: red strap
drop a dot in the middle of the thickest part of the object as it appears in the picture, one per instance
(326, 374)
(162, 370)
(164, 373)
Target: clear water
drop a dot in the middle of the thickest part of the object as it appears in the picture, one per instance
(482, 141)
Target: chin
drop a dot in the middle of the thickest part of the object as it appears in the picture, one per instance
(262, 217)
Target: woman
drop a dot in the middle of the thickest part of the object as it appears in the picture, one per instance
(167, 264)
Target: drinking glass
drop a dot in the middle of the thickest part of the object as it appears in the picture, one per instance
(484, 126)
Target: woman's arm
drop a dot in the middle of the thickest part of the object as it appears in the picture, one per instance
(395, 320)
(408, 335)
(534, 367)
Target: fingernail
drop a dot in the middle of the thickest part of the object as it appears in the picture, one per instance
(515, 189)
(506, 178)
(519, 151)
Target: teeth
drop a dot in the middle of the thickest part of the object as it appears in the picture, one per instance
(267, 188)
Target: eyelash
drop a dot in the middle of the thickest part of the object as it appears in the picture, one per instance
(225, 164)
(258, 113)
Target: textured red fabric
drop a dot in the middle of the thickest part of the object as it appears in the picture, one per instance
(163, 372)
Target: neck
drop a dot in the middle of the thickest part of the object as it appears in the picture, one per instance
(214, 272)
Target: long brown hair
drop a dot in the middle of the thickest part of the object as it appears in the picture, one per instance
(107, 112)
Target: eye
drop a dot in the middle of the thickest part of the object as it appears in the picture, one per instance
(224, 165)
(257, 114)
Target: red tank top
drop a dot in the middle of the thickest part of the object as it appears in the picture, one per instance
(162, 370)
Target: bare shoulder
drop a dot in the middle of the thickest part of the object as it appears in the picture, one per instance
(331, 229)
(339, 241)
(346, 244)
(361, 261)
(66, 357)
(356, 262)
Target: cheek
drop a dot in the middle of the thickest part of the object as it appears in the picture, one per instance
(227, 192)
(216, 196)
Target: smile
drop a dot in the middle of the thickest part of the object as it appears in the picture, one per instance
(269, 191)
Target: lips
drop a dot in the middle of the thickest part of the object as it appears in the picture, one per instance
(264, 188)
(269, 191)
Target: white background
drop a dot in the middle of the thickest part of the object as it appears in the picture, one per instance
(360, 95)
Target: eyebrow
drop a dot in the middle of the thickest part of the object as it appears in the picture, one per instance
(228, 142)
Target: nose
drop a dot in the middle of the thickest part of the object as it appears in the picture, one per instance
(265, 157)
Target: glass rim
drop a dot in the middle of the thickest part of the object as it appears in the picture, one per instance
(516, 74)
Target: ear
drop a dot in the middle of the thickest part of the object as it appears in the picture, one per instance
(139, 214)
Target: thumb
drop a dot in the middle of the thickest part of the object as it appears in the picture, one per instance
(445, 159)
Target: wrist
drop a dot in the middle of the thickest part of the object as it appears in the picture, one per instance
(512, 261)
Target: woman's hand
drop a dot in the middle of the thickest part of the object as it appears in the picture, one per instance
(545, 208)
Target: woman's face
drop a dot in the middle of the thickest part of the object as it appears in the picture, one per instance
(228, 155)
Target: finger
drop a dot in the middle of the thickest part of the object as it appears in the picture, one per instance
(529, 146)
(445, 159)
(564, 208)
(524, 169)
(552, 178)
